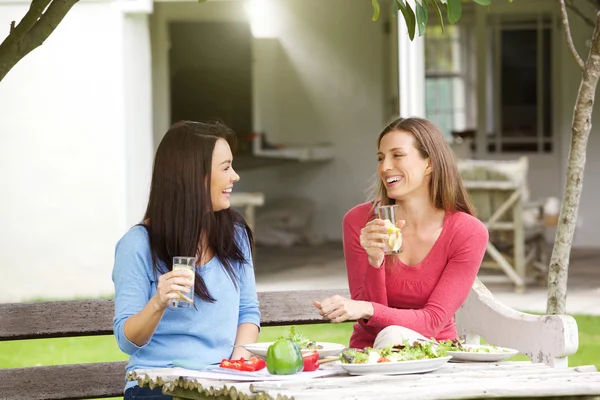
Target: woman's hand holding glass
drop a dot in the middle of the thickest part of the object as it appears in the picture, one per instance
(372, 239)
(170, 286)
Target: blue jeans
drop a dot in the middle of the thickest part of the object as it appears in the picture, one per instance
(145, 393)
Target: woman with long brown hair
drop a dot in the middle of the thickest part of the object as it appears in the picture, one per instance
(443, 244)
(188, 215)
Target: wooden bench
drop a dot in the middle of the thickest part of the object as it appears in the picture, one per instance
(546, 339)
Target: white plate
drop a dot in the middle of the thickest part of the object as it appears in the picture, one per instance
(329, 349)
(395, 368)
(494, 355)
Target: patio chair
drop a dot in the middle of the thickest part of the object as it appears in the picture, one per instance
(517, 243)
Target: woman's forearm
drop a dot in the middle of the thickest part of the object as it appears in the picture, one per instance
(246, 333)
(140, 327)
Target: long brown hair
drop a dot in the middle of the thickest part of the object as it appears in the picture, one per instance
(179, 208)
(446, 187)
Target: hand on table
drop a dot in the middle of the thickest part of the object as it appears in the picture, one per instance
(339, 309)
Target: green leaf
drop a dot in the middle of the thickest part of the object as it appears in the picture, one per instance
(484, 2)
(422, 17)
(454, 8)
(376, 9)
(439, 13)
(409, 17)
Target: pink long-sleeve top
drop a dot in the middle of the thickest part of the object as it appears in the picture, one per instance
(422, 297)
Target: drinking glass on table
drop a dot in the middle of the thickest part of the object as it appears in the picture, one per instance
(186, 299)
(389, 215)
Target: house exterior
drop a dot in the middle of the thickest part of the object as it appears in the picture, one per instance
(82, 115)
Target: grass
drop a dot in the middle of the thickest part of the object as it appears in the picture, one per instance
(588, 352)
(39, 352)
(26, 353)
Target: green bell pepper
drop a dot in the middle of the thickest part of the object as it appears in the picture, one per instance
(284, 358)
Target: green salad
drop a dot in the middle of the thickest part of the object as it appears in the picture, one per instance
(458, 345)
(410, 351)
(302, 342)
(407, 351)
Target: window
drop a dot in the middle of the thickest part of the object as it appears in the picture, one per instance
(521, 85)
(445, 79)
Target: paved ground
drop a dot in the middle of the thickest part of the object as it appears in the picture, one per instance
(305, 267)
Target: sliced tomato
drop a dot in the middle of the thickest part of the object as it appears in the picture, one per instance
(383, 359)
(246, 367)
(238, 365)
(230, 364)
(257, 363)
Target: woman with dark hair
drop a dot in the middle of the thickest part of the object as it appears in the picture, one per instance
(188, 214)
(417, 292)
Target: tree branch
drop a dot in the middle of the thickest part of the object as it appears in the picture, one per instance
(32, 31)
(46, 25)
(565, 21)
(595, 45)
(577, 11)
(580, 130)
(36, 9)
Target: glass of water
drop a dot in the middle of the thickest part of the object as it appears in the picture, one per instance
(186, 299)
(389, 215)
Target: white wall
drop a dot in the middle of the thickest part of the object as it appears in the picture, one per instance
(63, 150)
(326, 87)
(139, 144)
(330, 89)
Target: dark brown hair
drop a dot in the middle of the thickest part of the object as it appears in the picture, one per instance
(445, 186)
(180, 213)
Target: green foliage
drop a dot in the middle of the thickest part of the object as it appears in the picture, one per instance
(334, 333)
(417, 19)
(454, 8)
(409, 17)
(376, 9)
(422, 17)
(297, 337)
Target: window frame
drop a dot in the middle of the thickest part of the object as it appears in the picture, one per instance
(463, 115)
(494, 136)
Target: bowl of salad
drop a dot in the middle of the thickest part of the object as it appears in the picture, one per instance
(407, 358)
(325, 349)
(475, 352)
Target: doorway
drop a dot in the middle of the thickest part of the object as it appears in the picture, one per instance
(210, 66)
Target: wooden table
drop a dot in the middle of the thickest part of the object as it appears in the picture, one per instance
(452, 381)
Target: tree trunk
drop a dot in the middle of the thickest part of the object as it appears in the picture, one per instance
(581, 126)
(38, 23)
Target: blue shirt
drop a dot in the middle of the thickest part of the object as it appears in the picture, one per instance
(205, 336)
